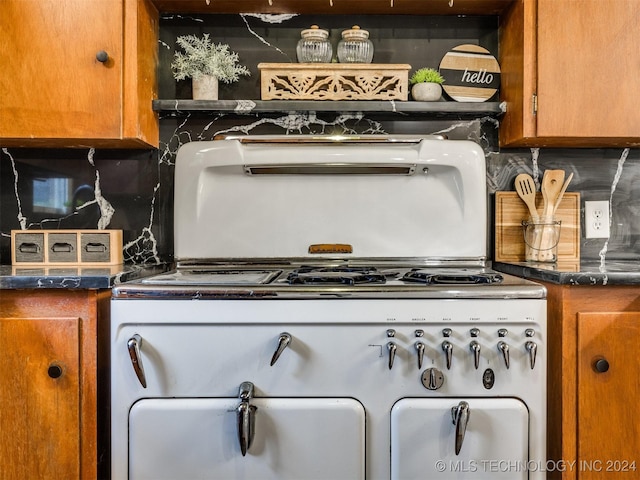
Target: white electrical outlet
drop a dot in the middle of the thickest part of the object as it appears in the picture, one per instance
(596, 219)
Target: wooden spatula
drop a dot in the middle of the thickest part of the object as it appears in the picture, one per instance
(526, 189)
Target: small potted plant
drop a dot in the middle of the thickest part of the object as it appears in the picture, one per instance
(206, 63)
(426, 85)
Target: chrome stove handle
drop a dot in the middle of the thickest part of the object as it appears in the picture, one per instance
(460, 415)
(532, 348)
(420, 349)
(447, 348)
(133, 345)
(475, 349)
(392, 347)
(246, 417)
(504, 349)
(283, 342)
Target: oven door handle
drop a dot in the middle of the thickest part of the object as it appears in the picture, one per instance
(460, 414)
(133, 345)
(246, 417)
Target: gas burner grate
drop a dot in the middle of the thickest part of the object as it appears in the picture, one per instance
(451, 278)
(335, 276)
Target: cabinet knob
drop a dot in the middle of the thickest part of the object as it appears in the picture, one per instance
(54, 370)
(102, 56)
(601, 365)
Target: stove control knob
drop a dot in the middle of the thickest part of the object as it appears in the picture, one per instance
(447, 348)
(419, 333)
(391, 333)
(432, 379)
(532, 348)
(475, 349)
(392, 347)
(502, 332)
(283, 342)
(504, 349)
(474, 332)
(420, 349)
(529, 332)
(446, 332)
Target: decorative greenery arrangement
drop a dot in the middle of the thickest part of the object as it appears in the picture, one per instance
(202, 57)
(426, 75)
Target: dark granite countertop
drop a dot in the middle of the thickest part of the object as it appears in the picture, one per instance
(609, 272)
(60, 276)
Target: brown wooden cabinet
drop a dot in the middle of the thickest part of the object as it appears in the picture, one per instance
(53, 387)
(570, 73)
(592, 420)
(56, 92)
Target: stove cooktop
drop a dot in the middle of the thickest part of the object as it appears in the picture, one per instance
(325, 276)
(328, 281)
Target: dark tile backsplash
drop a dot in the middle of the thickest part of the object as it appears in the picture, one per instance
(133, 190)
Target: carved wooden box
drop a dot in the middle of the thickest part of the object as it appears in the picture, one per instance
(333, 81)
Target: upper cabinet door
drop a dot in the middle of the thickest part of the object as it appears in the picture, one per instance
(66, 79)
(570, 71)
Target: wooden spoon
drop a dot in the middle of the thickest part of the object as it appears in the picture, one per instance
(526, 189)
(552, 182)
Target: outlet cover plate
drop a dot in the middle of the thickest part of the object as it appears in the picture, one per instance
(596, 219)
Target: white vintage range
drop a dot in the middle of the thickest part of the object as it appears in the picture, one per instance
(331, 317)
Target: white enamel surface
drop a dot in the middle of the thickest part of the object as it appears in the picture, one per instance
(222, 212)
(196, 438)
(495, 445)
(206, 349)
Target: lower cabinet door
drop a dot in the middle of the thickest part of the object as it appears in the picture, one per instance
(490, 434)
(293, 438)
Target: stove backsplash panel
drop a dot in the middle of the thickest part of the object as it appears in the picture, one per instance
(133, 190)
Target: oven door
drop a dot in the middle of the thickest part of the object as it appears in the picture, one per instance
(289, 438)
(459, 438)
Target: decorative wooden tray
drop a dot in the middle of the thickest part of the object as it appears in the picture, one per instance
(334, 81)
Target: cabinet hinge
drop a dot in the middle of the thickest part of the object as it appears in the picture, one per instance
(534, 103)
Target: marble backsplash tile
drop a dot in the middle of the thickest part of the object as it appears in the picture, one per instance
(133, 190)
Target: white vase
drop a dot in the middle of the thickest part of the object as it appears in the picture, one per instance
(205, 87)
(426, 92)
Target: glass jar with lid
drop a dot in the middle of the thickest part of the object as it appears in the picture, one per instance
(355, 46)
(314, 46)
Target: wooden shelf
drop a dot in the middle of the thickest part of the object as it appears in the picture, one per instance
(337, 7)
(243, 107)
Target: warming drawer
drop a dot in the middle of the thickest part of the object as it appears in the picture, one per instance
(495, 444)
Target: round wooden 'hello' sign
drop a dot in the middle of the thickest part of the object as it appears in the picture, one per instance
(471, 73)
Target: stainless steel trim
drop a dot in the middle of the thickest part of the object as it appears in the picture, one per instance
(332, 169)
(328, 261)
(328, 139)
(200, 292)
